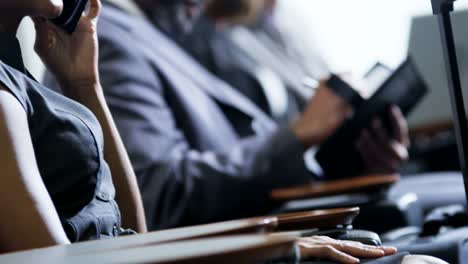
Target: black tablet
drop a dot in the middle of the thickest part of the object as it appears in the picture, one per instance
(404, 88)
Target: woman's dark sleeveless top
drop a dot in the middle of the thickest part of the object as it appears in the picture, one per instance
(68, 145)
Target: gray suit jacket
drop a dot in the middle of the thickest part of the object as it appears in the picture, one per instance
(201, 151)
(215, 50)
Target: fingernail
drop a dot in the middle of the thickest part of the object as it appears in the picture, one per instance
(391, 249)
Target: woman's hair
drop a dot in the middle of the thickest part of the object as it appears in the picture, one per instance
(235, 11)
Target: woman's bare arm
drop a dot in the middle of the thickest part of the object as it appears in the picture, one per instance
(128, 194)
(29, 219)
(73, 60)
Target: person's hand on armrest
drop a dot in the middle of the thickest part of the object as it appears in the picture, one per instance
(347, 252)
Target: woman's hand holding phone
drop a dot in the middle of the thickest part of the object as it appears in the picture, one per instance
(72, 58)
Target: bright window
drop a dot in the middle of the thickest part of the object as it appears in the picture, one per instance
(353, 35)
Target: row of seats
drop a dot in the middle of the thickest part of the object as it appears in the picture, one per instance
(213, 131)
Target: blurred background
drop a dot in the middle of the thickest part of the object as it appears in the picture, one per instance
(351, 36)
(330, 25)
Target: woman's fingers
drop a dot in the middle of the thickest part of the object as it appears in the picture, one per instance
(40, 24)
(53, 9)
(44, 38)
(94, 9)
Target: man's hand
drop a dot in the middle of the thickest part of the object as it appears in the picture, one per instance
(346, 252)
(324, 113)
(382, 152)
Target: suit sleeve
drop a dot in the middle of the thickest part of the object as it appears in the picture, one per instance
(181, 185)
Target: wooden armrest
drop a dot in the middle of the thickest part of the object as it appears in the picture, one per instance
(237, 227)
(321, 219)
(329, 188)
(431, 129)
(234, 249)
(284, 222)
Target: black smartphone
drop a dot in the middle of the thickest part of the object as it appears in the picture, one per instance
(345, 91)
(375, 77)
(71, 14)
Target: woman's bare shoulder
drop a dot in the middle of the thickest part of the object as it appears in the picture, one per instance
(13, 117)
(8, 102)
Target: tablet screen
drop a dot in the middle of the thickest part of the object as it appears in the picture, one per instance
(375, 78)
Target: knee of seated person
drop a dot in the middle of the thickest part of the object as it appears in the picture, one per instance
(419, 259)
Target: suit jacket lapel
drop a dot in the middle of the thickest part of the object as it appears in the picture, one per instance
(171, 57)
